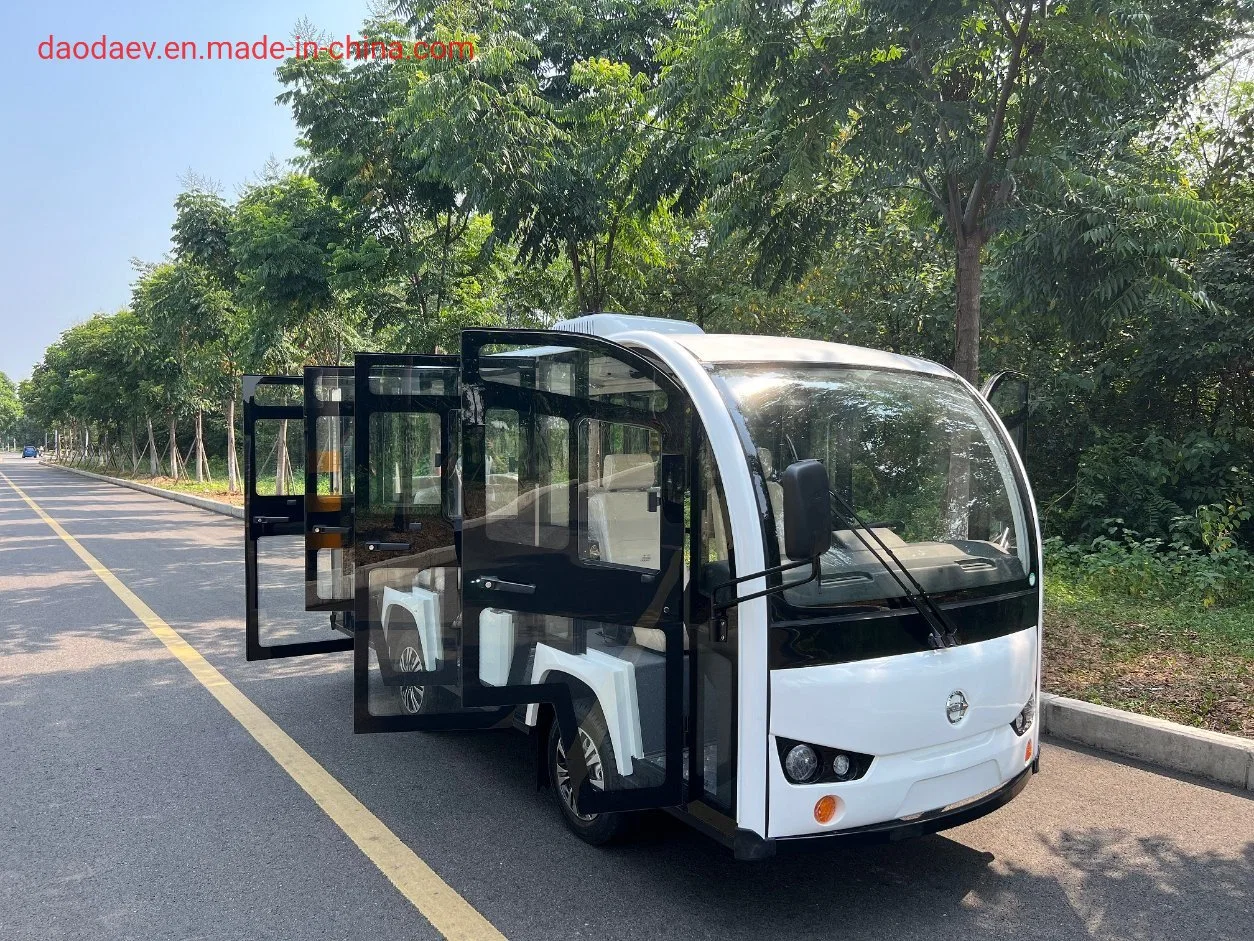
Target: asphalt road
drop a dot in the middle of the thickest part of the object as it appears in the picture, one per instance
(132, 805)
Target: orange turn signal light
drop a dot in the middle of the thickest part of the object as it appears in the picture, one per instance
(1027, 752)
(825, 809)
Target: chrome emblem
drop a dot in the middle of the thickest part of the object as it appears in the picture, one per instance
(956, 707)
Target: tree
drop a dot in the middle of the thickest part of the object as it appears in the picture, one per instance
(977, 109)
(96, 380)
(547, 130)
(213, 346)
(189, 314)
(10, 411)
(284, 236)
(402, 223)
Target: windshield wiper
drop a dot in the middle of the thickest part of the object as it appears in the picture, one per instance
(942, 632)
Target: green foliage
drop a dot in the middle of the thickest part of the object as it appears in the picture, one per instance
(1149, 570)
(988, 113)
(547, 130)
(11, 424)
(810, 170)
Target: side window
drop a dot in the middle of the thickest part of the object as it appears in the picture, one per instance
(618, 494)
(405, 459)
(528, 478)
(716, 638)
(715, 526)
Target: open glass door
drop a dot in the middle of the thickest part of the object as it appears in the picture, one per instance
(1007, 393)
(572, 555)
(407, 600)
(276, 622)
(328, 397)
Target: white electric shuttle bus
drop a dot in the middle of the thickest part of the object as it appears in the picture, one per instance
(780, 588)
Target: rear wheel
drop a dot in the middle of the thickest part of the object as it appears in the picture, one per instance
(593, 738)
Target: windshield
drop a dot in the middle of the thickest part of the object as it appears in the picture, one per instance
(915, 457)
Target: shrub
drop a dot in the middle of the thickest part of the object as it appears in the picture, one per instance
(1151, 570)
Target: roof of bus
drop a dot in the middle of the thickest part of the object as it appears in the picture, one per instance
(743, 348)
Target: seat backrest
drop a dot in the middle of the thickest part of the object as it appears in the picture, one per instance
(628, 472)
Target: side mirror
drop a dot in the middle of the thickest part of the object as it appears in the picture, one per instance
(807, 510)
(1007, 393)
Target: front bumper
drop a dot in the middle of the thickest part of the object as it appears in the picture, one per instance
(893, 830)
(749, 846)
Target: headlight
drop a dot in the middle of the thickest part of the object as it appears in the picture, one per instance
(841, 765)
(1023, 721)
(807, 763)
(801, 764)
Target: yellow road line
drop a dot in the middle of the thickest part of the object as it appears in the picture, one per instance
(439, 903)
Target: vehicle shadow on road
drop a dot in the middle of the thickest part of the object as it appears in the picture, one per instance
(669, 881)
(1099, 883)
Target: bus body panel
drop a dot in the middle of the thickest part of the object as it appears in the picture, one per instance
(897, 704)
(903, 785)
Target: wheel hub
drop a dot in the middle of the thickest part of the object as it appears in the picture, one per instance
(596, 773)
(410, 661)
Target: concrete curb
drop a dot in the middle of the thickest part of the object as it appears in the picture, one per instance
(202, 503)
(1228, 759)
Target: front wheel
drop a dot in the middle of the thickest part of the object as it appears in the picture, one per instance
(593, 738)
(415, 700)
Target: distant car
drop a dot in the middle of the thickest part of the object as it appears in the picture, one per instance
(30, 451)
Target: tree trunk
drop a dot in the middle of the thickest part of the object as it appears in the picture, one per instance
(232, 464)
(967, 365)
(280, 460)
(134, 450)
(967, 319)
(576, 268)
(198, 448)
(152, 451)
(175, 459)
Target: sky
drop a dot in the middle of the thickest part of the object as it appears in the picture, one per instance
(92, 153)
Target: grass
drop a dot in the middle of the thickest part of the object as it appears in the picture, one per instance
(215, 489)
(1177, 660)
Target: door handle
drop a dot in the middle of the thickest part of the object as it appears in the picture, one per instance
(386, 546)
(492, 583)
(331, 529)
(272, 519)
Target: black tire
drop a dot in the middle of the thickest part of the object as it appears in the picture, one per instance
(596, 829)
(413, 700)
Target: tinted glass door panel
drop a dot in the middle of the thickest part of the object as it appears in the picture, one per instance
(407, 599)
(328, 488)
(276, 622)
(572, 559)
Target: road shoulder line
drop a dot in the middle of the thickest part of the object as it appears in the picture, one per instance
(438, 902)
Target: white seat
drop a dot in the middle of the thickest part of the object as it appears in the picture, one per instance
(619, 520)
(625, 530)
